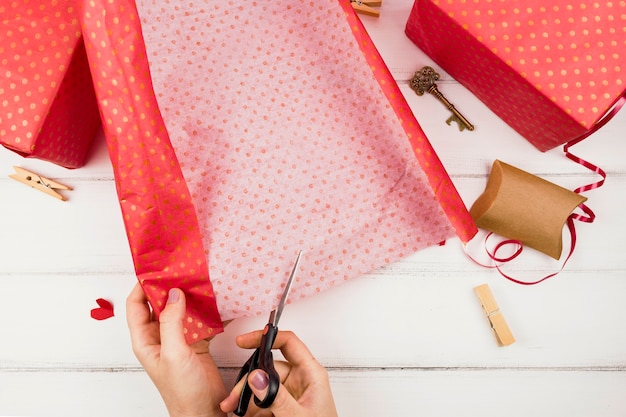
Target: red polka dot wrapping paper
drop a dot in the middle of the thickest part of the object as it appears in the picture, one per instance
(284, 131)
(550, 69)
(48, 108)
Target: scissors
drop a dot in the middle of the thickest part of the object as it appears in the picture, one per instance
(262, 357)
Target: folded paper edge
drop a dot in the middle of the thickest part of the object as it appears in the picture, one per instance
(439, 180)
(151, 275)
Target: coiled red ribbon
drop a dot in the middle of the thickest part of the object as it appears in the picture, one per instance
(588, 217)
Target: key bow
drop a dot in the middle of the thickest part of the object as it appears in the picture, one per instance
(424, 80)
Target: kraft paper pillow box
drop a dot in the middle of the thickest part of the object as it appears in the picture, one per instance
(47, 101)
(550, 69)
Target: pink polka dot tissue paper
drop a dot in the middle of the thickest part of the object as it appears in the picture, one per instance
(243, 132)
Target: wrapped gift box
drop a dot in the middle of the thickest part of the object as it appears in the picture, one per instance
(47, 101)
(550, 69)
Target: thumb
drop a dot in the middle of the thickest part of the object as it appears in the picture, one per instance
(171, 321)
(284, 404)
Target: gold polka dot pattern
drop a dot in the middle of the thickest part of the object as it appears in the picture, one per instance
(47, 103)
(287, 141)
(158, 212)
(287, 137)
(549, 69)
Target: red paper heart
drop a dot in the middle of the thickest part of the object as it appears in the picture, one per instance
(105, 310)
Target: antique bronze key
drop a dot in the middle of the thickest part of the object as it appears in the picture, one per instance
(424, 82)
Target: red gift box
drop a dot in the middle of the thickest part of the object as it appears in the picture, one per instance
(551, 70)
(48, 108)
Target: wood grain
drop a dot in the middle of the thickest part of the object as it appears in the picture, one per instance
(407, 339)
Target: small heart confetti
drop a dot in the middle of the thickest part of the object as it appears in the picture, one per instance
(103, 312)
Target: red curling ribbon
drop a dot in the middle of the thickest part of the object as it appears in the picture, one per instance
(618, 105)
(500, 245)
(492, 255)
(589, 216)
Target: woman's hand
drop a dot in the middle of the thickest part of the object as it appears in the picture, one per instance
(185, 375)
(305, 388)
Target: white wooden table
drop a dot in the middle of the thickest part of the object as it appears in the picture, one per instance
(409, 339)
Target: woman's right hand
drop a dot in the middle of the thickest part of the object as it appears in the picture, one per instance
(304, 390)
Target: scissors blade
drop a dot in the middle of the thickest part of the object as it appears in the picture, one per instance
(283, 300)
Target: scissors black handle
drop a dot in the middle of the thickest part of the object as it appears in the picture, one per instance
(246, 392)
(262, 359)
(266, 363)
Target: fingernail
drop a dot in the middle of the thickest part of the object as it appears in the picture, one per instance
(172, 296)
(259, 380)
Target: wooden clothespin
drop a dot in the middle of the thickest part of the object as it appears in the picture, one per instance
(366, 7)
(38, 182)
(493, 313)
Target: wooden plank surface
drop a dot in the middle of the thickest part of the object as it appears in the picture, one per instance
(407, 339)
(413, 392)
